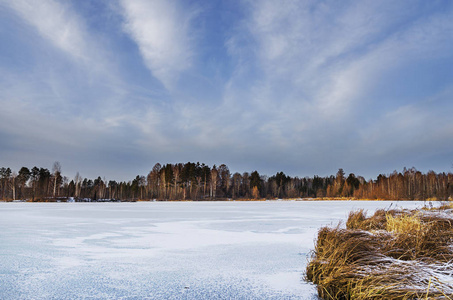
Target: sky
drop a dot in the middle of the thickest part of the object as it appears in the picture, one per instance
(109, 88)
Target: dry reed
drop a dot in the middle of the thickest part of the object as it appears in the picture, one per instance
(394, 254)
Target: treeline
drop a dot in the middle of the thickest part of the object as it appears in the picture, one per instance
(195, 181)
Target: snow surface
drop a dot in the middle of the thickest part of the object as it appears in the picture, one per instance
(164, 250)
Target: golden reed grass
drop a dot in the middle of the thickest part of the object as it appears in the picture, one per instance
(394, 254)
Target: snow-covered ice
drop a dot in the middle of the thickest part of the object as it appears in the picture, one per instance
(164, 250)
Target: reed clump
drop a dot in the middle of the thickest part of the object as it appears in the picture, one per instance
(393, 254)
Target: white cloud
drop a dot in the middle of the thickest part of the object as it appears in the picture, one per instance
(308, 72)
(297, 83)
(73, 71)
(312, 46)
(55, 22)
(162, 32)
(330, 55)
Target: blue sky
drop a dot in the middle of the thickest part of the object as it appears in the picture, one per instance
(109, 88)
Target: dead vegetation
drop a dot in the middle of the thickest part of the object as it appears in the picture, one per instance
(394, 254)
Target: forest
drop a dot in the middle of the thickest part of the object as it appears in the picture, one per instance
(195, 181)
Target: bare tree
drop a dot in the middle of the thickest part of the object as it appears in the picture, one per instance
(13, 184)
(214, 175)
(56, 170)
(78, 181)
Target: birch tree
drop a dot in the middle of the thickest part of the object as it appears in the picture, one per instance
(56, 170)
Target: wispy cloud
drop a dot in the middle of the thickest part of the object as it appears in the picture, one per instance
(65, 100)
(55, 22)
(329, 55)
(162, 31)
(309, 69)
(65, 43)
(270, 85)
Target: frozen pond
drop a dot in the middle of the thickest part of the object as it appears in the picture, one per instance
(163, 250)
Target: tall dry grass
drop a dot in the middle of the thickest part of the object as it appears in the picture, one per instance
(394, 254)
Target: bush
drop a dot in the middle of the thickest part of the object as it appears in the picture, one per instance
(397, 254)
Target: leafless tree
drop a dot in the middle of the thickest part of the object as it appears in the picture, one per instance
(56, 170)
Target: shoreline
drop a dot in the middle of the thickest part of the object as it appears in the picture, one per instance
(62, 200)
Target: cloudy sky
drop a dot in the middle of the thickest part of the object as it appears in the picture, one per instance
(110, 88)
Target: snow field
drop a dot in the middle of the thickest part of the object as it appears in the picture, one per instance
(164, 250)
